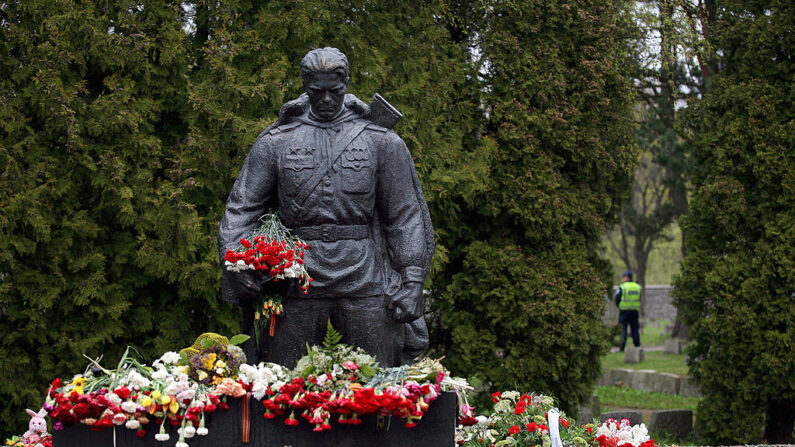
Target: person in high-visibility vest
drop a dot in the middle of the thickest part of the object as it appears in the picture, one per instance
(628, 302)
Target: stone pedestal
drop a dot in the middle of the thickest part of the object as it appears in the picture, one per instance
(436, 429)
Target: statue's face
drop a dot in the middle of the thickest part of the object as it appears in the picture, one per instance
(326, 94)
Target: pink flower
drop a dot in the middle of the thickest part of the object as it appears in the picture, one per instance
(119, 418)
(232, 388)
(350, 365)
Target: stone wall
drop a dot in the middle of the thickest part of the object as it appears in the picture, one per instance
(657, 305)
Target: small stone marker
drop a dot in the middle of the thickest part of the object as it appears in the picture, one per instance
(666, 383)
(633, 355)
(635, 417)
(676, 422)
(672, 346)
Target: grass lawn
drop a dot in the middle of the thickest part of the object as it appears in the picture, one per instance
(657, 360)
(624, 397)
(654, 334)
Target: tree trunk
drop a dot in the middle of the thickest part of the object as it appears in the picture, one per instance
(780, 421)
(680, 329)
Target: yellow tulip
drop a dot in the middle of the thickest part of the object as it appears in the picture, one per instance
(78, 385)
(146, 401)
(164, 399)
(155, 394)
(174, 406)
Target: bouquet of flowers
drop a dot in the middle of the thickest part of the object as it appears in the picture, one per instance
(519, 419)
(614, 433)
(270, 248)
(213, 358)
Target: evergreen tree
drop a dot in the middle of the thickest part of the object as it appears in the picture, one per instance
(102, 245)
(526, 291)
(737, 285)
(122, 127)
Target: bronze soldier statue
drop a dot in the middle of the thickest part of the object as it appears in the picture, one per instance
(342, 180)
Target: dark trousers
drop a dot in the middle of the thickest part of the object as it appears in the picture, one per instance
(363, 322)
(629, 318)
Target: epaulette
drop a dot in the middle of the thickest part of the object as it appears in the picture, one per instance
(376, 128)
(284, 128)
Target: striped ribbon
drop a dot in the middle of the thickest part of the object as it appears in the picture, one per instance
(246, 420)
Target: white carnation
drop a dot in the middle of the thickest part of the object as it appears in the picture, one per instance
(129, 407)
(170, 358)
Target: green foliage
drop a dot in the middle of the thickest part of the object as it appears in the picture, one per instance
(122, 128)
(525, 292)
(332, 338)
(103, 244)
(737, 280)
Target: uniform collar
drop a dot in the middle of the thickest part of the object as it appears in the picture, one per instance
(346, 114)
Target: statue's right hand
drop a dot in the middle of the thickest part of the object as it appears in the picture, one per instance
(250, 282)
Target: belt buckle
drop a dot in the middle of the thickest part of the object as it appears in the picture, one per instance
(326, 233)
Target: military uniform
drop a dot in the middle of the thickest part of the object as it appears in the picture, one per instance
(331, 182)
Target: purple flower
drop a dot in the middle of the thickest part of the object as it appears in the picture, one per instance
(58, 426)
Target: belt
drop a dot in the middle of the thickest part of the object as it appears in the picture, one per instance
(331, 232)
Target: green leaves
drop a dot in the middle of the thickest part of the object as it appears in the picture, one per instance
(737, 280)
(239, 339)
(332, 338)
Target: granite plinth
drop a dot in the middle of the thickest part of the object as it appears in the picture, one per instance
(435, 429)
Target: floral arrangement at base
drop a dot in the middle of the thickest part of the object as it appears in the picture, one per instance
(531, 420)
(337, 380)
(333, 382)
(178, 389)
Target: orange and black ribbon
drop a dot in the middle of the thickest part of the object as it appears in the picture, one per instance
(246, 420)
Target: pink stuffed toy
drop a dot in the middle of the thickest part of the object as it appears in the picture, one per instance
(37, 427)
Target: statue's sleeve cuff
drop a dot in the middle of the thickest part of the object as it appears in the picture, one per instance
(412, 274)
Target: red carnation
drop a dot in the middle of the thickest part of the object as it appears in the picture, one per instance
(514, 430)
(245, 243)
(122, 392)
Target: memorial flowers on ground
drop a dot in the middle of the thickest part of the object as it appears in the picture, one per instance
(332, 384)
(531, 420)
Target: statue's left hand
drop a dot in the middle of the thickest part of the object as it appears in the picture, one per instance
(407, 303)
